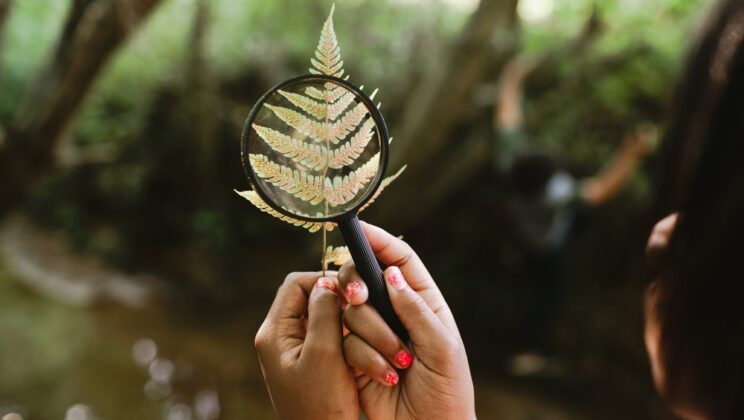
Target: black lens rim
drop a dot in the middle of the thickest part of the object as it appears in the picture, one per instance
(376, 116)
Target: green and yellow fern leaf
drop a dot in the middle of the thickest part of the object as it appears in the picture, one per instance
(385, 182)
(347, 153)
(340, 190)
(316, 109)
(313, 156)
(256, 200)
(327, 115)
(330, 94)
(320, 131)
(328, 54)
(337, 107)
(301, 185)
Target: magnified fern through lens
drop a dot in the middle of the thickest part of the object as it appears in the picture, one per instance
(315, 147)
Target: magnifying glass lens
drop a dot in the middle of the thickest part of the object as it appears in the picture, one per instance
(314, 148)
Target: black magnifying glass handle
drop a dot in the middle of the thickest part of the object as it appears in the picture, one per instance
(368, 267)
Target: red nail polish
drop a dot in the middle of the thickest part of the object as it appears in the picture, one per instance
(403, 359)
(395, 278)
(326, 283)
(391, 378)
(353, 289)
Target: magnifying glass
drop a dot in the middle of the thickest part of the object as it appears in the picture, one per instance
(315, 148)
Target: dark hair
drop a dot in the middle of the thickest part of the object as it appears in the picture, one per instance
(530, 173)
(700, 311)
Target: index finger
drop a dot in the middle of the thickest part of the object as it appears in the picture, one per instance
(393, 251)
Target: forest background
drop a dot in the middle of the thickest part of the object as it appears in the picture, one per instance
(119, 152)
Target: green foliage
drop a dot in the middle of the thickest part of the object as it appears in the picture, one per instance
(145, 106)
(625, 78)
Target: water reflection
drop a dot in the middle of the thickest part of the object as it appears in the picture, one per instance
(144, 351)
(155, 390)
(162, 384)
(79, 412)
(207, 405)
(179, 412)
(161, 370)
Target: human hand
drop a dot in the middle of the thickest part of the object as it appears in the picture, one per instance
(299, 348)
(434, 381)
(642, 140)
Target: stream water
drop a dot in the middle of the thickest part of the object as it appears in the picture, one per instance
(109, 362)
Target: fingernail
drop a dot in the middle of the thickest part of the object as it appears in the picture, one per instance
(326, 283)
(395, 278)
(391, 378)
(403, 359)
(353, 289)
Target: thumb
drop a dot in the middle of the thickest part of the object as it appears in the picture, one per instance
(324, 320)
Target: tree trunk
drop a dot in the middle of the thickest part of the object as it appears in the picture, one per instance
(203, 109)
(444, 168)
(435, 107)
(93, 31)
(4, 12)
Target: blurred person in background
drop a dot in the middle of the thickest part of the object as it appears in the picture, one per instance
(544, 205)
(694, 320)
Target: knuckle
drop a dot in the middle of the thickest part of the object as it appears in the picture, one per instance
(261, 340)
(291, 279)
(417, 304)
(450, 346)
(408, 252)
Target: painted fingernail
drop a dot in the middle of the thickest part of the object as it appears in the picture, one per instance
(391, 378)
(403, 359)
(326, 283)
(395, 278)
(353, 289)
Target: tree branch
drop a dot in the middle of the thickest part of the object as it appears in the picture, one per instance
(93, 32)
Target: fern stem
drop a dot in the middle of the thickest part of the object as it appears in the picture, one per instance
(323, 262)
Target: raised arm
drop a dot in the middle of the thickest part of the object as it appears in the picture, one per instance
(608, 182)
(508, 113)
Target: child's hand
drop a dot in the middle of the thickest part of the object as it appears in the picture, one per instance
(432, 383)
(299, 347)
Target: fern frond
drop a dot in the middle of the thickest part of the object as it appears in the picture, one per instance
(328, 53)
(301, 185)
(349, 151)
(316, 156)
(313, 156)
(337, 256)
(256, 200)
(330, 94)
(326, 115)
(313, 129)
(314, 108)
(385, 182)
(336, 108)
(340, 190)
(349, 122)
(318, 131)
